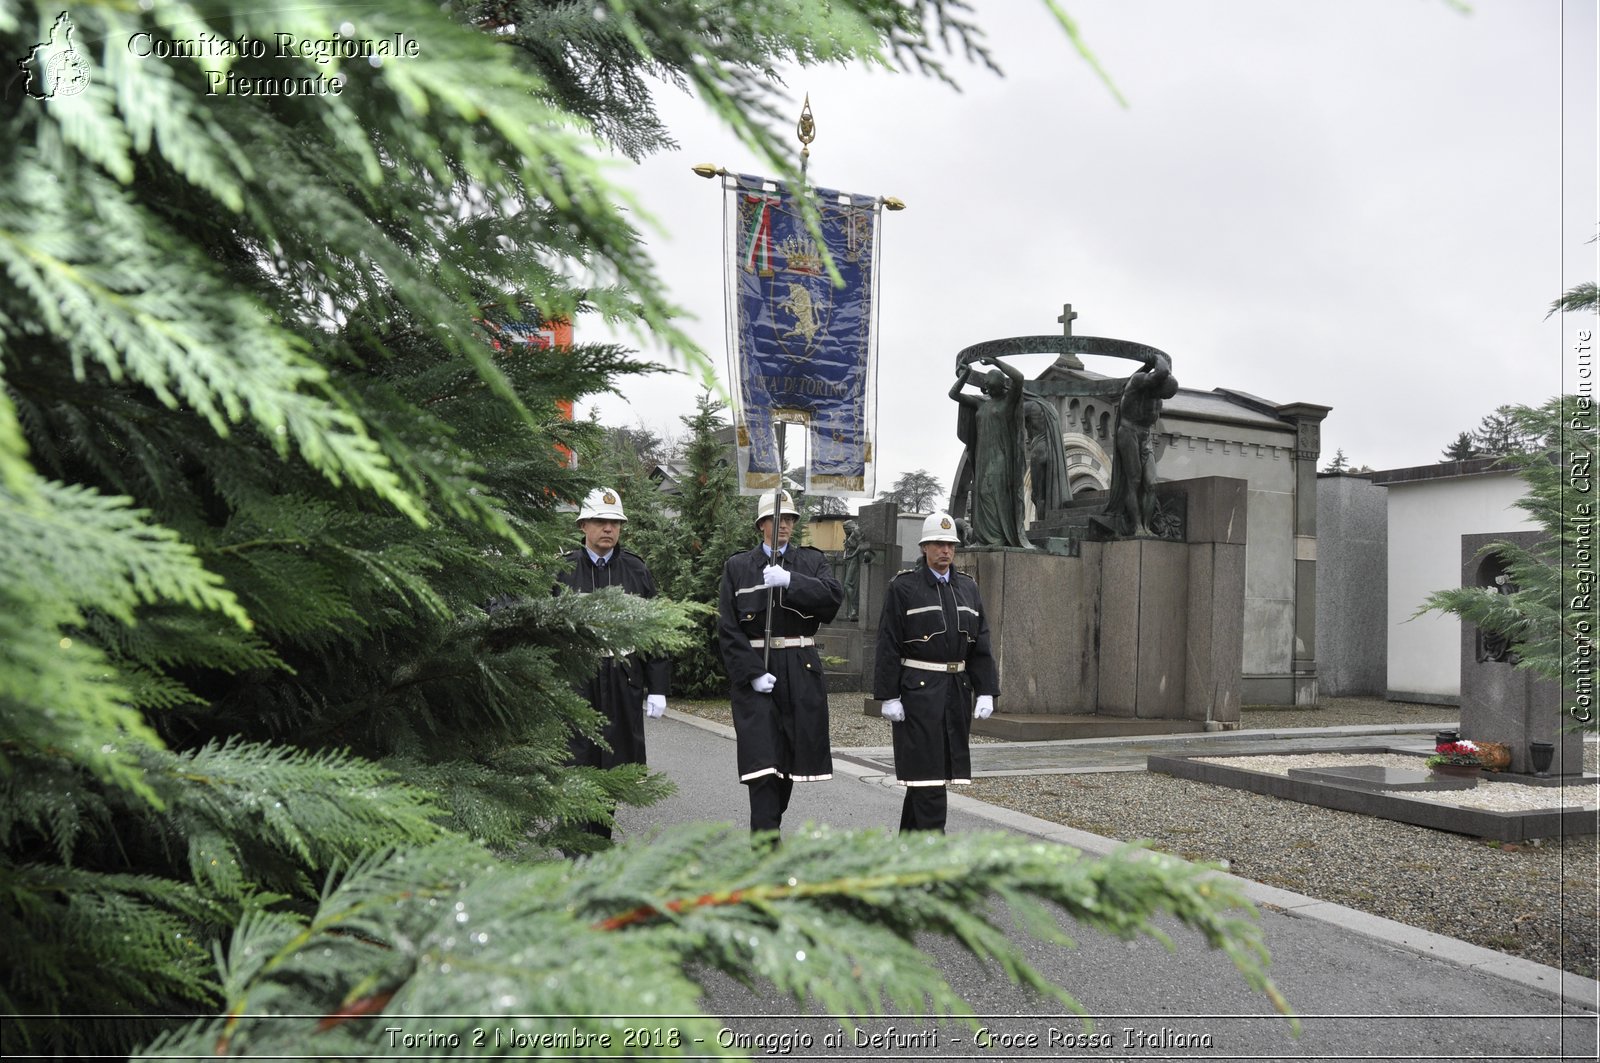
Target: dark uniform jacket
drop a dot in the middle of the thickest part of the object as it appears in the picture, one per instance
(925, 620)
(618, 688)
(785, 732)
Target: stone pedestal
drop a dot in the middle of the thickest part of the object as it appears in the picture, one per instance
(856, 639)
(1171, 629)
(1137, 630)
(1134, 636)
(1041, 627)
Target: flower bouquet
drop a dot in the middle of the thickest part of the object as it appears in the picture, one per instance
(1460, 754)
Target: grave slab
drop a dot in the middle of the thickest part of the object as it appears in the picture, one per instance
(1378, 777)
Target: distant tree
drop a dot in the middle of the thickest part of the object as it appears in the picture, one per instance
(623, 458)
(915, 491)
(828, 506)
(1463, 449)
(1506, 431)
(1339, 463)
(645, 445)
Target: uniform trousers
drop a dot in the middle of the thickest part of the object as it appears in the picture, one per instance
(925, 808)
(769, 800)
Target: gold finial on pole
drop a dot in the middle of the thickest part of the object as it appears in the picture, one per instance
(806, 131)
(709, 170)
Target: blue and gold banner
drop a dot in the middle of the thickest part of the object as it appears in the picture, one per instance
(803, 348)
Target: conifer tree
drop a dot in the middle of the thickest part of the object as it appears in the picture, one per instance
(1504, 432)
(1464, 448)
(715, 523)
(1550, 616)
(264, 748)
(653, 531)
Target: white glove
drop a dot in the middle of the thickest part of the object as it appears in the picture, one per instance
(985, 707)
(763, 683)
(775, 576)
(655, 705)
(893, 711)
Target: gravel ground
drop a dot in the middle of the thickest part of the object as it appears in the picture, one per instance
(1537, 901)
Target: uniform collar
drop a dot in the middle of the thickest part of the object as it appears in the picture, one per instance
(595, 559)
(766, 548)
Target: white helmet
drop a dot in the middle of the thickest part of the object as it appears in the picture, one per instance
(939, 528)
(602, 504)
(786, 507)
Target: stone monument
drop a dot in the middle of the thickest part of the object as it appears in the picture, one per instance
(1499, 701)
(854, 637)
(1105, 618)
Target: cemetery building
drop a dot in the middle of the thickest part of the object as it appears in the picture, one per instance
(1392, 538)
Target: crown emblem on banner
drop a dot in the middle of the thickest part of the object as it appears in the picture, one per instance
(800, 254)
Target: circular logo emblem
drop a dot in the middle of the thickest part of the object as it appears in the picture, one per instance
(66, 73)
(609, 499)
(945, 524)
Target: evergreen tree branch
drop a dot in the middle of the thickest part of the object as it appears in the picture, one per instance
(830, 917)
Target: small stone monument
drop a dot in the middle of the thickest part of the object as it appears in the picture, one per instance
(853, 636)
(1499, 701)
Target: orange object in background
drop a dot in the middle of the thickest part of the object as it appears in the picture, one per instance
(552, 335)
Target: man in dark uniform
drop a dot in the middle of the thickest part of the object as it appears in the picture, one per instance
(625, 688)
(780, 699)
(933, 654)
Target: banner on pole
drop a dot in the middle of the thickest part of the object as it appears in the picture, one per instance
(803, 349)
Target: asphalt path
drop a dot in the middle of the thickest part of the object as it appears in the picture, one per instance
(1364, 988)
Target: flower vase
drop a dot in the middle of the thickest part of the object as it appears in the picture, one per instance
(1542, 753)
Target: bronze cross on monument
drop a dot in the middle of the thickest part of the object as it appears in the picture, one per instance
(1066, 359)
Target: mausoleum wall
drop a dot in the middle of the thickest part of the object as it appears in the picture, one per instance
(1429, 510)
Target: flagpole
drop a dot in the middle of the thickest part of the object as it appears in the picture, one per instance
(805, 130)
(772, 539)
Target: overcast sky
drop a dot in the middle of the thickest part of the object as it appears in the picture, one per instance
(1366, 204)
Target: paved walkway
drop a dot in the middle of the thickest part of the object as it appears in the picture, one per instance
(1369, 987)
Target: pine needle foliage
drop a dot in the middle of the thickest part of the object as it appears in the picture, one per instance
(1549, 617)
(714, 523)
(594, 946)
(264, 745)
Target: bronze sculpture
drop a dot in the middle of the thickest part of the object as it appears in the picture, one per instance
(991, 424)
(1047, 457)
(856, 554)
(1131, 507)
